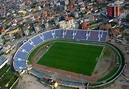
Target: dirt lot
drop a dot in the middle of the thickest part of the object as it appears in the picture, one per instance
(30, 82)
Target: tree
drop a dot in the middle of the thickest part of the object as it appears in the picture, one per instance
(17, 35)
(127, 18)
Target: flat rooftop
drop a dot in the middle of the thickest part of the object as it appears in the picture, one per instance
(2, 59)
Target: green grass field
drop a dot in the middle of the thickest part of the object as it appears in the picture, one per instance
(78, 58)
(8, 77)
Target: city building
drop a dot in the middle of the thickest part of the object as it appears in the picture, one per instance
(113, 10)
(2, 30)
(64, 25)
(70, 21)
(12, 32)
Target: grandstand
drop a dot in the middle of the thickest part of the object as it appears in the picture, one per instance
(20, 58)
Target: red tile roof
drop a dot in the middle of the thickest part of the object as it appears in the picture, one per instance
(71, 8)
(84, 26)
(82, 6)
(72, 1)
(116, 31)
(69, 18)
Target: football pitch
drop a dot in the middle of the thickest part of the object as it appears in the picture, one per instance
(73, 57)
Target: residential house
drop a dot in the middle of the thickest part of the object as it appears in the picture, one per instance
(44, 13)
(64, 25)
(126, 31)
(66, 2)
(67, 24)
(1, 42)
(105, 27)
(70, 21)
(72, 1)
(84, 26)
(76, 14)
(12, 32)
(127, 40)
(37, 28)
(26, 32)
(2, 30)
(71, 8)
(88, 11)
(100, 1)
(38, 8)
(116, 32)
(26, 29)
(56, 20)
(80, 2)
(82, 7)
(46, 25)
(22, 12)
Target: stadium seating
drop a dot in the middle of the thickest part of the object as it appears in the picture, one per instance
(80, 35)
(36, 73)
(47, 36)
(21, 55)
(36, 40)
(103, 37)
(57, 32)
(27, 46)
(93, 36)
(77, 84)
(60, 34)
(19, 59)
(69, 34)
(69, 83)
(20, 65)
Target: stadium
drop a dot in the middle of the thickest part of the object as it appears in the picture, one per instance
(75, 58)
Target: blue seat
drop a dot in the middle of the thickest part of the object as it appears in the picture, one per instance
(60, 34)
(103, 38)
(69, 34)
(37, 40)
(21, 55)
(27, 46)
(20, 65)
(57, 32)
(77, 84)
(93, 36)
(47, 36)
(69, 83)
(80, 35)
(63, 82)
(36, 73)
